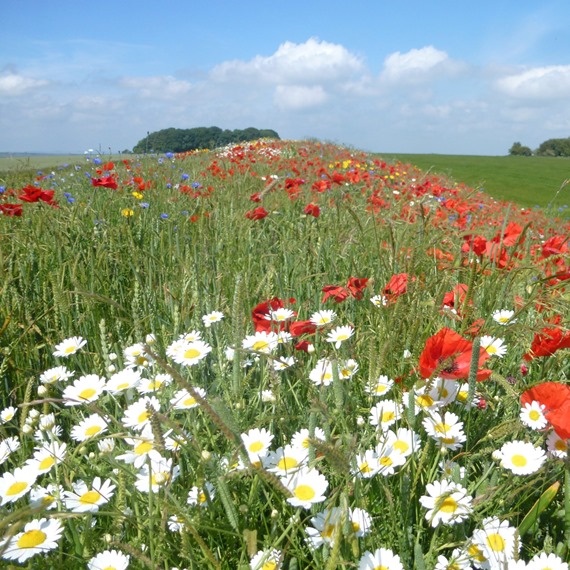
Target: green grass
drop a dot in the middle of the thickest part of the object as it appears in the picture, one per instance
(529, 181)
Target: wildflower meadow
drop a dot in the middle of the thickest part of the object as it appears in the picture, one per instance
(280, 355)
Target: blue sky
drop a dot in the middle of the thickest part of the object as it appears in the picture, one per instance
(421, 76)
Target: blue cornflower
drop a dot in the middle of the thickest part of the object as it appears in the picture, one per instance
(144, 204)
(163, 216)
(185, 176)
(169, 154)
(70, 199)
(196, 185)
(168, 185)
(97, 160)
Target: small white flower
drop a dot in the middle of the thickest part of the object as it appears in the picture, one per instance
(504, 317)
(69, 346)
(521, 457)
(211, 318)
(532, 415)
(339, 335)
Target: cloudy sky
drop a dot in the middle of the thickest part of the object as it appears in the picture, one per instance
(419, 76)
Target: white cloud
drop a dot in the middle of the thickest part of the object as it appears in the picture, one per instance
(294, 97)
(539, 83)
(313, 62)
(157, 87)
(417, 65)
(12, 84)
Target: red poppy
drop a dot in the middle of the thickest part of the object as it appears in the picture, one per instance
(547, 342)
(11, 210)
(510, 235)
(257, 214)
(555, 397)
(255, 197)
(105, 181)
(476, 243)
(448, 355)
(312, 210)
(297, 328)
(356, 286)
(398, 285)
(305, 346)
(455, 298)
(339, 294)
(33, 194)
(261, 310)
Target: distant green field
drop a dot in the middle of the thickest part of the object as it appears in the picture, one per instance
(529, 181)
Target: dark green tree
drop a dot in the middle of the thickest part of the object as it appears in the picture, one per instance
(519, 150)
(182, 140)
(554, 147)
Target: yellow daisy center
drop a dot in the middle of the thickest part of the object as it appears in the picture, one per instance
(519, 460)
(31, 539)
(496, 542)
(123, 386)
(287, 463)
(401, 446)
(425, 401)
(442, 427)
(143, 447)
(381, 568)
(448, 505)
(260, 345)
(388, 416)
(70, 349)
(87, 393)
(46, 463)
(386, 461)
(191, 353)
(304, 492)
(92, 430)
(534, 415)
(90, 498)
(143, 417)
(270, 565)
(189, 402)
(365, 467)
(16, 488)
(256, 446)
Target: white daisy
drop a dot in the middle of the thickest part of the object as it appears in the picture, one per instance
(190, 353)
(183, 400)
(201, 496)
(150, 385)
(498, 541)
(307, 487)
(56, 374)
(266, 560)
(211, 318)
(283, 362)
(302, 437)
(88, 500)
(347, 369)
(156, 476)
(339, 335)
(280, 315)
(545, 561)
(286, 460)
(494, 346)
(137, 415)
(142, 449)
(7, 414)
(504, 317)
(322, 318)
(89, 427)
(381, 558)
(532, 415)
(69, 346)
(322, 373)
(109, 560)
(403, 440)
(556, 446)
(379, 300)
(136, 356)
(385, 413)
(366, 464)
(256, 442)
(380, 387)
(46, 456)
(17, 484)
(261, 341)
(457, 561)
(520, 457)
(388, 459)
(327, 525)
(447, 503)
(38, 537)
(123, 380)
(85, 389)
(45, 497)
(7, 447)
(191, 336)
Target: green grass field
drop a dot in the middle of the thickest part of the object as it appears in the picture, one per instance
(529, 181)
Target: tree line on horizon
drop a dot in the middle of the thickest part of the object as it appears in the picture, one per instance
(550, 147)
(183, 140)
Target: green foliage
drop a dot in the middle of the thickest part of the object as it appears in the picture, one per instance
(519, 150)
(183, 140)
(554, 147)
